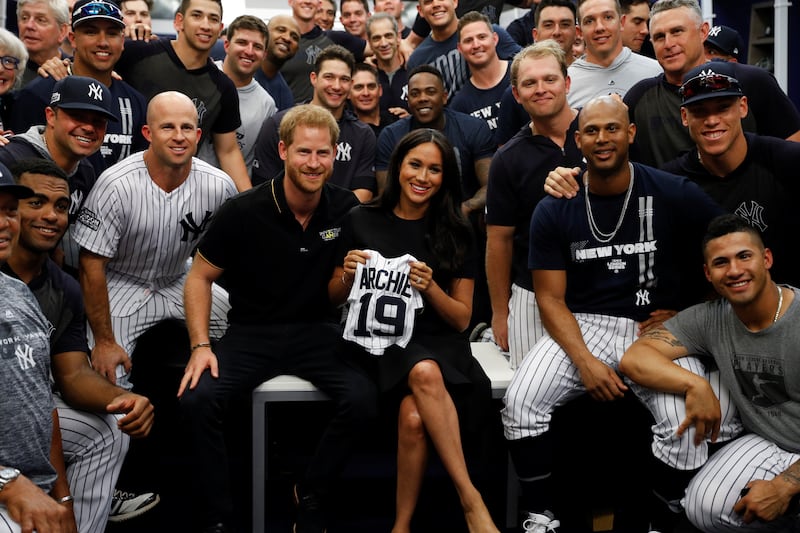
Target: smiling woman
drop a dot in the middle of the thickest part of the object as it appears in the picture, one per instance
(13, 57)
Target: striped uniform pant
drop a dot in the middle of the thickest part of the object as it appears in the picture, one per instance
(547, 378)
(6, 524)
(714, 491)
(94, 449)
(524, 324)
(166, 303)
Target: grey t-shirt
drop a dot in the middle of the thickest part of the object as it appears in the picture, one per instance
(26, 403)
(761, 369)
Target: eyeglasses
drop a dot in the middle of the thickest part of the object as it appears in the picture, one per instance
(709, 84)
(94, 9)
(9, 62)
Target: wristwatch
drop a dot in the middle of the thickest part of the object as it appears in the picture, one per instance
(7, 475)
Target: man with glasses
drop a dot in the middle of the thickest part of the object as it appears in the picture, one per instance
(97, 37)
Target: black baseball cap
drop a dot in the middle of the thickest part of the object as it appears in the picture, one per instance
(8, 185)
(710, 80)
(725, 39)
(80, 92)
(96, 9)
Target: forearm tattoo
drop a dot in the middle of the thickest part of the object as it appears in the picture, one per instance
(662, 334)
(792, 474)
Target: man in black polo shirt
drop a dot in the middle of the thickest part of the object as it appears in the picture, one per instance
(277, 275)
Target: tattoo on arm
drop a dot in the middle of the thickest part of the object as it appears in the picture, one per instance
(662, 334)
(792, 474)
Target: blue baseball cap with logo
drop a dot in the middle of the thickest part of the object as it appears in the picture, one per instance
(80, 92)
(85, 10)
(8, 185)
(714, 79)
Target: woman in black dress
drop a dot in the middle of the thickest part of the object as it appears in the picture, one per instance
(434, 376)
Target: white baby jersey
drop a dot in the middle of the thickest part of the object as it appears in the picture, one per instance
(382, 304)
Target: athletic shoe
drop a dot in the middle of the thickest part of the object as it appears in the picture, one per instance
(310, 517)
(127, 505)
(481, 333)
(541, 523)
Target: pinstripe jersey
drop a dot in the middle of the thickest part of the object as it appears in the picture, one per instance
(382, 303)
(147, 232)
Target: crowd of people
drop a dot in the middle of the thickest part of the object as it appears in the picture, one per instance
(603, 190)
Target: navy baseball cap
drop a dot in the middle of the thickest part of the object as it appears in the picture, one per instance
(96, 9)
(80, 92)
(725, 39)
(8, 185)
(710, 80)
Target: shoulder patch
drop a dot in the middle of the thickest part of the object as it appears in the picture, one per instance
(88, 218)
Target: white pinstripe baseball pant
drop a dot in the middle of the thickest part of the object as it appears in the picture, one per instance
(6, 524)
(94, 449)
(163, 304)
(547, 379)
(524, 324)
(713, 492)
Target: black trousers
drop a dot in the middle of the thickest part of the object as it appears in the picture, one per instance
(249, 355)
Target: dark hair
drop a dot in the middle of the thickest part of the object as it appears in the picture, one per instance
(727, 224)
(184, 6)
(365, 67)
(554, 3)
(335, 51)
(46, 167)
(429, 69)
(448, 232)
(627, 4)
(248, 22)
(473, 16)
(363, 3)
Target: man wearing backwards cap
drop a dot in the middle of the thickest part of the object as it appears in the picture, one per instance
(723, 43)
(76, 120)
(33, 488)
(750, 175)
(97, 36)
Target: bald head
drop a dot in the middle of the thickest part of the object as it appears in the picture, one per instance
(610, 106)
(174, 101)
(284, 39)
(604, 134)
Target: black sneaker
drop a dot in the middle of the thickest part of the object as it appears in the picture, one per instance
(310, 517)
(127, 505)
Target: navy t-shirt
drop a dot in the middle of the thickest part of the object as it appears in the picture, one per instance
(651, 262)
(482, 103)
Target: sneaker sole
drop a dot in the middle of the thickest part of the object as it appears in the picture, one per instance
(133, 514)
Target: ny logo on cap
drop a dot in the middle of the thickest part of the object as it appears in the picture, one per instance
(96, 91)
(706, 73)
(713, 32)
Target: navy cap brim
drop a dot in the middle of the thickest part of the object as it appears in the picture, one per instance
(104, 17)
(705, 96)
(89, 107)
(20, 191)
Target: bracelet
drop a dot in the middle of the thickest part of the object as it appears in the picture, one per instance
(344, 280)
(201, 345)
(66, 499)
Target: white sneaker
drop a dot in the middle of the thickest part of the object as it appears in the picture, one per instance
(541, 523)
(127, 505)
